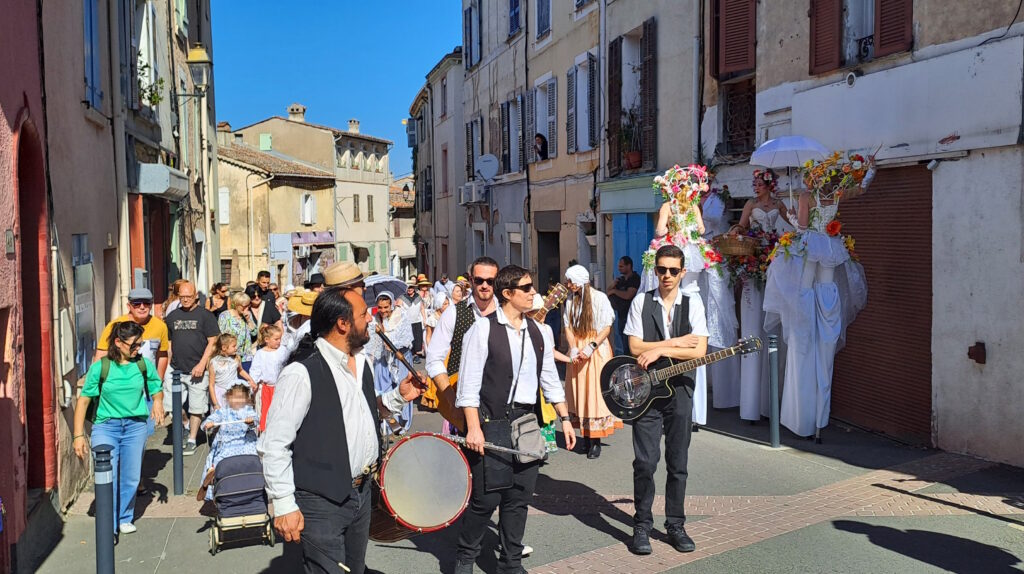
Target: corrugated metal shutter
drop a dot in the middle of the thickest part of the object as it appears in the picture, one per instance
(614, 107)
(826, 35)
(882, 378)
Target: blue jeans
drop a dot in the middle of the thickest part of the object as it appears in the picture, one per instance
(128, 437)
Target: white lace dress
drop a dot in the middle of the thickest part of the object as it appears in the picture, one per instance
(753, 387)
(815, 292)
(721, 313)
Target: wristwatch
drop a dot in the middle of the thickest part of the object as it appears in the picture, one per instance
(593, 345)
(564, 419)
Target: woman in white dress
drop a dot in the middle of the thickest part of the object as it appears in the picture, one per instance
(720, 305)
(764, 217)
(816, 289)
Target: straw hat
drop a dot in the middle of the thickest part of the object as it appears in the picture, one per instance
(422, 281)
(342, 275)
(302, 302)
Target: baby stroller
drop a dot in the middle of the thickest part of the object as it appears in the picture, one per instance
(238, 492)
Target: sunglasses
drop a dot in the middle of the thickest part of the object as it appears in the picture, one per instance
(528, 288)
(133, 346)
(662, 270)
(481, 280)
(139, 304)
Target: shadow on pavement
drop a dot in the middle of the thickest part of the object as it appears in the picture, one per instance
(950, 553)
(153, 461)
(595, 518)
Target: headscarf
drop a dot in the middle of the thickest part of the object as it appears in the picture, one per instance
(579, 275)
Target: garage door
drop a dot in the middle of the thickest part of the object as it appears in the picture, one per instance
(882, 378)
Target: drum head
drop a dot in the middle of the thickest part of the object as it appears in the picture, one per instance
(425, 482)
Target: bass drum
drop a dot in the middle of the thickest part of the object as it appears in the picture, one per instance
(425, 485)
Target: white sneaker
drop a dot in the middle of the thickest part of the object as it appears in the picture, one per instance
(128, 528)
(527, 549)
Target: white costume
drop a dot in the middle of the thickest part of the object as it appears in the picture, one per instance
(721, 311)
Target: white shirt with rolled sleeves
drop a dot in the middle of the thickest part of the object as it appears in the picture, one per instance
(474, 359)
(441, 339)
(291, 403)
(698, 320)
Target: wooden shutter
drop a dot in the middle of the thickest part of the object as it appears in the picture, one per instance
(223, 205)
(369, 208)
(713, 37)
(894, 21)
(883, 377)
(736, 36)
(552, 117)
(467, 38)
(614, 106)
(506, 157)
(469, 150)
(478, 35)
(530, 129)
(593, 110)
(826, 35)
(478, 132)
(649, 96)
(520, 134)
(570, 110)
(355, 207)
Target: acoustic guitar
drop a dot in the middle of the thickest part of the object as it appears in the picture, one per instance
(628, 389)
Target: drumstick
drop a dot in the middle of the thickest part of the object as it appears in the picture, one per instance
(489, 446)
(398, 354)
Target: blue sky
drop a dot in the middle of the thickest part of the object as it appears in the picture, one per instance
(341, 59)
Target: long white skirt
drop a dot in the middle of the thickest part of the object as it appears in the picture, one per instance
(722, 325)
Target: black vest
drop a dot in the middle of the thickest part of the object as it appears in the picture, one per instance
(320, 450)
(651, 318)
(464, 319)
(500, 373)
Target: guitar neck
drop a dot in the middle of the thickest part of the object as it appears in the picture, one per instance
(680, 368)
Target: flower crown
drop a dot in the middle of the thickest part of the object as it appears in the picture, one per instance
(766, 175)
(685, 184)
(834, 174)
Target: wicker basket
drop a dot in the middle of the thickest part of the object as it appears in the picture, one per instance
(734, 245)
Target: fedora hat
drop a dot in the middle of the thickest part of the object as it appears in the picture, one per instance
(302, 302)
(342, 275)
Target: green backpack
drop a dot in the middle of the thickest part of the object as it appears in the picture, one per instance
(90, 413)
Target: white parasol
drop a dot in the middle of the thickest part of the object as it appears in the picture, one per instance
(787, 152)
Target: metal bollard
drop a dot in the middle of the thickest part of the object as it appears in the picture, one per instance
(104, 480)
(773, 389)
(176, 433)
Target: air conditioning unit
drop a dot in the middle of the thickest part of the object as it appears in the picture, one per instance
(473, 192)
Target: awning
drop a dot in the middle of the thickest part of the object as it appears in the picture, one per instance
(313, 238)
(162, 181)
(629, 195)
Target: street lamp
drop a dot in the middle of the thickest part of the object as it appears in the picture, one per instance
(199, 65)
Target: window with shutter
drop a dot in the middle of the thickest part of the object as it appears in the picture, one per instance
(649, 96)
(369, 208)
(552, 117)
(266, 142)
(410, 132)
(513, 17)
(355, 208)
(530, 125)
(519, 155)
(469, 151)
(570, 110)
(615, 107)
(593, 72)
(371, 258)
(93, 68)
(477, 34)
(383, 257)
(429, 193)
(826, 35)
(224, 206)
(444, 96)
(736, 36)
(478, 132)
(543, 17)
(506, 153)
(467, 37)
(894, 21)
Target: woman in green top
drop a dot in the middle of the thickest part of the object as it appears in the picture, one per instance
(124, 385)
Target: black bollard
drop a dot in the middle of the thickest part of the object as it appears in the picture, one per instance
(773, 389)
(176, 435)
(104, 480)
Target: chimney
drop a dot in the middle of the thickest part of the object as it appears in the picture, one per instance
(297, 112)
(223, 133)
(353, 126)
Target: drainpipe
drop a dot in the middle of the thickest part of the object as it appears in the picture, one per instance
(527, 214)
(698, 76)
(206, 171)
(602, 255)
(120, 161)
(429, 126)
(249, 206)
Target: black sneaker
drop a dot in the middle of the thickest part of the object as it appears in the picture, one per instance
(680, 540)
(190, 449)
(463, 567)
(641, 541)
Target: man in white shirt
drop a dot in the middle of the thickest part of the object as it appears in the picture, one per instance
(665, 323)
(450, 331)
(322, 442)
(507, 361)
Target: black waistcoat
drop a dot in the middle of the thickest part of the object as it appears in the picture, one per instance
(320, 451)
(651, 319)
(500, 373)
(464, 319)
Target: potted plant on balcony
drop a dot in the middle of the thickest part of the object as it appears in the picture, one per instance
(629, 135)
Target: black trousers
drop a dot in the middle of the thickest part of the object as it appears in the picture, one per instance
(671, 417)
(335, 532)
(512, 505)
(417, 338)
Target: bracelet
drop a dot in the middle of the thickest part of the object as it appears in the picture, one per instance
(76, 437)
(565, 419)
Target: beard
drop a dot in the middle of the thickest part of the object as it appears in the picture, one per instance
(357, 340)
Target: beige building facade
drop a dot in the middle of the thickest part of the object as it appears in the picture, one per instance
(402, 198)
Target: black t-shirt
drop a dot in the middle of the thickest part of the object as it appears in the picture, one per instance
(189, 333)
(270, 315)
(265, 296)
(623, 283)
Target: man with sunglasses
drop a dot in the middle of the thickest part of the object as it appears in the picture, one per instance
(154, 331)
(453, 325)
(665, 323)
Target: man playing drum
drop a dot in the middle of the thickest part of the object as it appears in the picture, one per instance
(323, 442)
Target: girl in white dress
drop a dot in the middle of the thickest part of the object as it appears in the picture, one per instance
(226, 370)
(764, 216)
(816, 289)
(267, 363)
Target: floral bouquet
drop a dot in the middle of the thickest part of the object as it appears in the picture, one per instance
(753, 268)
(834, 175)
(784, 244)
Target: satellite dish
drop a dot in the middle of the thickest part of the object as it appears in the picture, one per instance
(487, 166)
